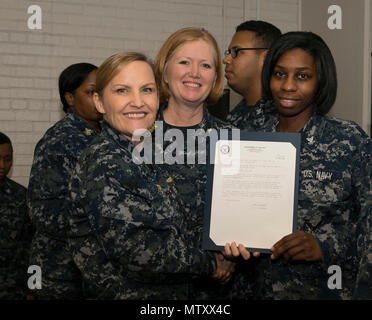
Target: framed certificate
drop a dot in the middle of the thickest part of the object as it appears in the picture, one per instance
(252, 187)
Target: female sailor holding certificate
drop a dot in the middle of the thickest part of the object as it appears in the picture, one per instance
(334, 199)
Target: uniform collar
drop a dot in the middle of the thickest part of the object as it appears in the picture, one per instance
(80, 124)
(261, 103)
(115, 135)
(204, 124)
(4, 185)
(312, 128)
(261, 115)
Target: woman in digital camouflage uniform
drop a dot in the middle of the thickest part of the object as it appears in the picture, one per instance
(335, 196)
(55, 157)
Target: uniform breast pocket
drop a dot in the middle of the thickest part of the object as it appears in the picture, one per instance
(323, 187)
(321, 196)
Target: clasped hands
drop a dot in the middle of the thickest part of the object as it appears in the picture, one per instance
(293, 247)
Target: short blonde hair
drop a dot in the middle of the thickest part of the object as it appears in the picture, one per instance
(169, 47)
(113, 65)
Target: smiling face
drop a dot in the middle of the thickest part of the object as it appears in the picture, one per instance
(6, 159)
(191, 73)
(130, 100)
(293, 83)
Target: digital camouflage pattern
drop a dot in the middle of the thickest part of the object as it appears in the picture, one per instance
(259, 117)
(334, 202)
(16, 232)
(363, 288)
(128, 233)
(190, 181)
(55, 158)
(253, 118)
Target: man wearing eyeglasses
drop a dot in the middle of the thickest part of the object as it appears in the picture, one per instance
(243, 64)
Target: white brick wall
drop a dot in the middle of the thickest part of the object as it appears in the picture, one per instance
(91, 30)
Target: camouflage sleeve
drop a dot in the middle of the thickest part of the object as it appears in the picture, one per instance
(334, 244)
(48, 189)
(142, 237)
(16, 234)
(363, 287)
(101, 279)
(149, 244)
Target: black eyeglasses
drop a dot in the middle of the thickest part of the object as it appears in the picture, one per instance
(234, 51)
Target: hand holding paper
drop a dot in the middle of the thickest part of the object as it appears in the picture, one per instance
(297, 246)
(233, 251)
